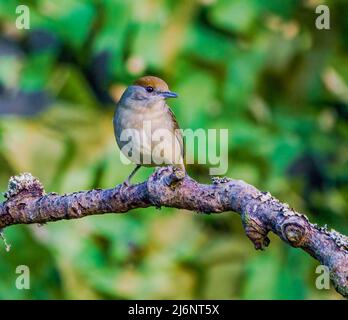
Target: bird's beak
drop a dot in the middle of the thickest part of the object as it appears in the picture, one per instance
(168, 94)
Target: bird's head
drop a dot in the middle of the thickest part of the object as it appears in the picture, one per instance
(147, 91)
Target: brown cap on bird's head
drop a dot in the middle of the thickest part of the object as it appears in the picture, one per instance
(154, 85)
(154, 82)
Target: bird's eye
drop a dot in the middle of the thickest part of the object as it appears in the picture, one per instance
(149, 89)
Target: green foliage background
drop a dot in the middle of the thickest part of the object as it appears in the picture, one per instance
(259, 68)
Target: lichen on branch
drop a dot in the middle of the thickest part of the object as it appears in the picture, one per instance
(260, 212)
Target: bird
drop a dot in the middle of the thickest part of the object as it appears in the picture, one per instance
(145, 127)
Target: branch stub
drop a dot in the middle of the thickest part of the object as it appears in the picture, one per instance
(24, 182)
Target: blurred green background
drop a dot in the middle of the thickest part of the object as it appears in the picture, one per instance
(259, 68)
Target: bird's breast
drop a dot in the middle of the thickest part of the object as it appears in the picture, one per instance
(137, 118)
(148, 128)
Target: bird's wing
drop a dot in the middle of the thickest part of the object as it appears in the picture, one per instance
(178, 133)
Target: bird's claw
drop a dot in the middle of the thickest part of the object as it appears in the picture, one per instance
(177, 175)
(126, 183)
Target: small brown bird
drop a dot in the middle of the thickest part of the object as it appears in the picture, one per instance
(145, 127)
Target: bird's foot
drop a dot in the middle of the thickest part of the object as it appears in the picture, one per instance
(180, 173)
(175, 176)
(126, 183)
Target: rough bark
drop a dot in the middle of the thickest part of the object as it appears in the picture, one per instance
(260, 212)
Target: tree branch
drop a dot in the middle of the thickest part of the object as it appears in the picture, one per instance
(260, 212)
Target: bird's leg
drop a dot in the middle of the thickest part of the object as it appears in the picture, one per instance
(127, 182)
